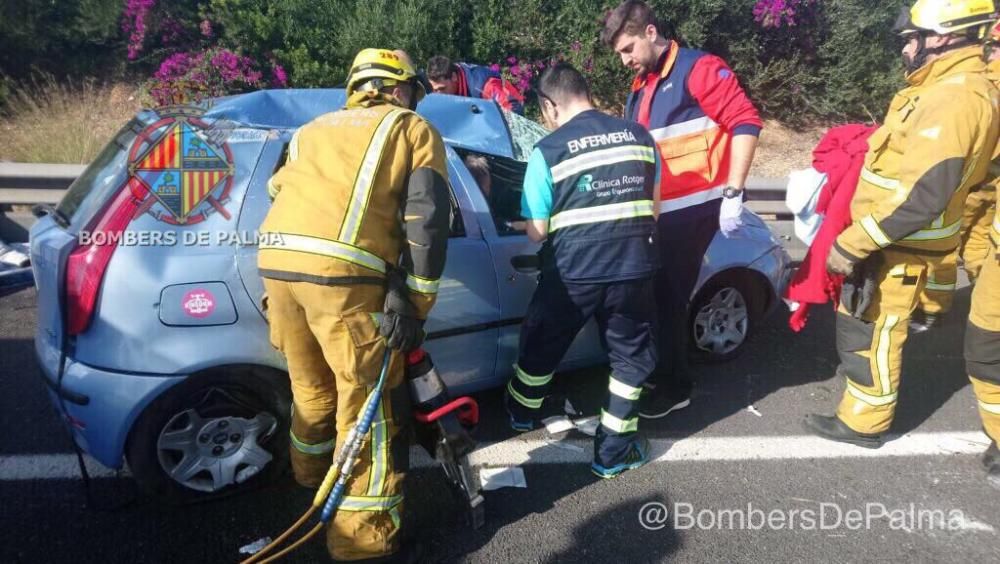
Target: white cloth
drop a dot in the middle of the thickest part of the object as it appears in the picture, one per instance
(729, 215)
(801, 197)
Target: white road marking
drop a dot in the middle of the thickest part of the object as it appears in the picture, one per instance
(517, 452)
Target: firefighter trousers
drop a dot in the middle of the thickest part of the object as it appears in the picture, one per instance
(982, 344)
(871, 348)
(330, 337)
(942, 279)
(626, 321)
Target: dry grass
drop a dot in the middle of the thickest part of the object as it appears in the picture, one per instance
(783, 149)
(48, 122)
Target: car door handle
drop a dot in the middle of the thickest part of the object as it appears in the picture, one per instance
(525, 264)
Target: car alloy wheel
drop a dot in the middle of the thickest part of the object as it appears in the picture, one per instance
(722, 324)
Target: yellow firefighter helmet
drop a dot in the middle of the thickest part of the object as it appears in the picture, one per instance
(946, 16)
(374, 69)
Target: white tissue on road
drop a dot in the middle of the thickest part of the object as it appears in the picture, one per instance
(557, 424)
(753, 410)
(496, 478)
(256, 546)
(587, 425)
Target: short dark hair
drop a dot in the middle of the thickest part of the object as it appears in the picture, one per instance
(479, 166)
(631, 17)
(561, 83)
(440, 68)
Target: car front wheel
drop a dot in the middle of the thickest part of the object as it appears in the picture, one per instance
(214, 434)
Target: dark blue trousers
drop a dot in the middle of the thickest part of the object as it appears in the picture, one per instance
(626, 315)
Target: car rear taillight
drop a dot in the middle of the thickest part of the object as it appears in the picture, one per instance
(87, 263)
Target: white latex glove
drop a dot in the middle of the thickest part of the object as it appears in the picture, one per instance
(729, 215)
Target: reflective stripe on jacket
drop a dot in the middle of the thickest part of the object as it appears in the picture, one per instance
(697, 106)
(364, 189)
(937, 141)
(601, 224)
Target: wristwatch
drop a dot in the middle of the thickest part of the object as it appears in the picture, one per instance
(732, 192)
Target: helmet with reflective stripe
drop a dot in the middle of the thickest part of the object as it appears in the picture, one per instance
(374, 69)
(944, 17)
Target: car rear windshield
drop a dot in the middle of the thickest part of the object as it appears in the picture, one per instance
(102, 177)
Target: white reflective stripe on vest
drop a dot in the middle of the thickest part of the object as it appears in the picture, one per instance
(934, 234)
(325, 247)
(878, 180)
(422, 285)
(619, 425)
(690, 200)
(358, 202)
(696, 125)
(604, 157)
(597, 214)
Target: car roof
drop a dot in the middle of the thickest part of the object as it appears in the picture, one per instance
(468, 123)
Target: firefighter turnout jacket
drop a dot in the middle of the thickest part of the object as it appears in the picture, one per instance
(936, 143)
(336, 220)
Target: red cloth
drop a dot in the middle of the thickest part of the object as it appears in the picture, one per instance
(840, 154)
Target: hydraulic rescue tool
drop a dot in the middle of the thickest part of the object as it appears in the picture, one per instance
(443, 431)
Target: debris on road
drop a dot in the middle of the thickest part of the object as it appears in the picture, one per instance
(557, 424)
(496, 478)
(753, 410)
(587, 425)
(256, 546)
(569, 409)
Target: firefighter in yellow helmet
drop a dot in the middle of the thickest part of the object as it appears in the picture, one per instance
(981, 205)
(982, 335)
(977, 218)
(936, 142)
(351, 253)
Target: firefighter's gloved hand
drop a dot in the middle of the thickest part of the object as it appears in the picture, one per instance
(401, 328)
(837, 263)
(729, 215)
(859, 287)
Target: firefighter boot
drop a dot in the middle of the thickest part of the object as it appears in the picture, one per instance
(832, 428)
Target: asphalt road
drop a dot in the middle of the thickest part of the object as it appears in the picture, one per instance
(923, 498)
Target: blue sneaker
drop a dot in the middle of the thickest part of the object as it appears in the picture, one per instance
(637, 455)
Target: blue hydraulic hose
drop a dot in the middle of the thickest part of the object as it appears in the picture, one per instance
(362, 428)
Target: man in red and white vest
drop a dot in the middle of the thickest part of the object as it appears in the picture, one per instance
(706, 129)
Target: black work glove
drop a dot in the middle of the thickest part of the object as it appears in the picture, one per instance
(401, 328)
(859, 287)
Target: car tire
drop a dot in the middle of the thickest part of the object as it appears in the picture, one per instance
(215, 434)
(724, 314)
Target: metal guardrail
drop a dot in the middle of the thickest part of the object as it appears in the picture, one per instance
(27, 183)
(24, 183)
